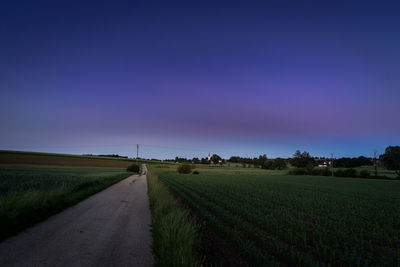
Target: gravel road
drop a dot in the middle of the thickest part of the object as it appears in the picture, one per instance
(111, 228)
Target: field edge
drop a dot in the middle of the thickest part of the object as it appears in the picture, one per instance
(55, 206)
(175, 234)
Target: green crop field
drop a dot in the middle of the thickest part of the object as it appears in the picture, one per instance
(29, 193)
(275, 218)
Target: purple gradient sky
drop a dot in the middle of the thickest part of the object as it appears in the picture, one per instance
(192, 77)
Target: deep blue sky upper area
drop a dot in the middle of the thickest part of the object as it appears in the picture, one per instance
(191, 77)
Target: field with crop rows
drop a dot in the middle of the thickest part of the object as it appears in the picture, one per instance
(28, 193)
(16, 157)
(297, 220)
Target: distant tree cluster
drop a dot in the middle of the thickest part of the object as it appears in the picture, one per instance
(274, 164)
(302, 159)
(391, 159)
(181, 160)
(256, 162)
(353, 162)
(107, 155)
(214, 159)
(305, 163)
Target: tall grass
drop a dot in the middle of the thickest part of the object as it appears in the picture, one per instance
(174, 233)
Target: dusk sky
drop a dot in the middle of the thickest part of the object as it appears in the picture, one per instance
(191, 77)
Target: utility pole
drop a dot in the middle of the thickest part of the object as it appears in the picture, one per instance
(333, 174)
(376, 167)
(137, 152)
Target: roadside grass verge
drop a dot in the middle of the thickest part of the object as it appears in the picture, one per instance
(174, 232)
(29, 195)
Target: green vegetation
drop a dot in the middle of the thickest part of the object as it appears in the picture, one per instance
(29, 194)
(364, 174)
(174, 233)
(391, 159)
(301, 160)
(382, 171)
(26, 157)
(296, 220)
(133, 168)
(104, 157)
(185, 168)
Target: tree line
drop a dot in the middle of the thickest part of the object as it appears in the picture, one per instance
(299, 159)
(390, 159)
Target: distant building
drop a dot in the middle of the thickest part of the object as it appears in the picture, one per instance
(325, 164)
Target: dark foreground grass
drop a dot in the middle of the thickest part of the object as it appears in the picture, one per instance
(29, 194)
(174, 233)
(297, 220)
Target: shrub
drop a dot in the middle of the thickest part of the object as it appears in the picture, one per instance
(185, 168)
(340, 173)
(364, 174)
(350, 173)
(298, 171)
(195, 172)
(268, 164)
(346, 173)
(309, 168)
(133, 168)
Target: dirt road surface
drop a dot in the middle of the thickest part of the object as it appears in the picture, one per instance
(111, 228)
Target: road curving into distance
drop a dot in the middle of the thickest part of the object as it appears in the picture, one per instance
(110, 228)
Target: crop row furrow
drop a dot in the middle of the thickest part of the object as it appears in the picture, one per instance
(336, 222)
(235, 236)
(284, 252)
(311, 223)
(326, 247)
(287, 229)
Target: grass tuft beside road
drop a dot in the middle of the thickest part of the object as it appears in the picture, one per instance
(174, 233)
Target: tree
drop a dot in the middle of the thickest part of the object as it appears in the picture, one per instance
(215, 158)
(301, 160)
(196, 161)
(268, 164)
(234, 159)
(260, 161)
(180, 160)
(204, 161)
(391, 159)
(279, 164)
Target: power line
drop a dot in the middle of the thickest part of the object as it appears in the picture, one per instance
(375, 165)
